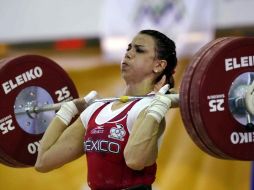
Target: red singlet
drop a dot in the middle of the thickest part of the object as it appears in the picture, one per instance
(104, 146)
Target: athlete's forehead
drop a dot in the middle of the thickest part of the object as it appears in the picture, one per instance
(143, 40)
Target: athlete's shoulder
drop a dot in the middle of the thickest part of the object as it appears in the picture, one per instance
(87, 113)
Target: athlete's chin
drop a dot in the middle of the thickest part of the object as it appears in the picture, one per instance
(126, 76)
(123, 74)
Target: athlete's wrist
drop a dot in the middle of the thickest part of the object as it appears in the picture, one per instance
(67, 111)
(70, 109)
(160, 105)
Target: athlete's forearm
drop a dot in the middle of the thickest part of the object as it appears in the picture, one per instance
(142, 147)
(63, 119)
(53, 132)
(60, 146)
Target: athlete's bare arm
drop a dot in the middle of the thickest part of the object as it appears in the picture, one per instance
(60, 145)
(142, 147)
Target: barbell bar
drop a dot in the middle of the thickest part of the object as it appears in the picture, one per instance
(216, 101)
(30, 109)
(49, 107)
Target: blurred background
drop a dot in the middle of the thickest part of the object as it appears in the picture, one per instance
(89, 38)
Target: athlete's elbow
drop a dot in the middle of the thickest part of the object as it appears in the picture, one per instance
(39, 167)
(42, 166)
(135, 164)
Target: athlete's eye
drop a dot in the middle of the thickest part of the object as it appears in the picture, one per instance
(139, 50)
(128, 48)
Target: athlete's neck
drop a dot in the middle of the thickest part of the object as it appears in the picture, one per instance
(138, 89)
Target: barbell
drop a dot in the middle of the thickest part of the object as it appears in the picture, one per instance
(216, 101)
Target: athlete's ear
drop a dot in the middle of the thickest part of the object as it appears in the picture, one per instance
(159, 65)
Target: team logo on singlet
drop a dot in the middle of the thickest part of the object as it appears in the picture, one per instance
(117, 132)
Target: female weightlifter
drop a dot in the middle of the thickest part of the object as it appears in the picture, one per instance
(119, 139)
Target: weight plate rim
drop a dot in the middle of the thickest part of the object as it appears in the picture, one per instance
(185, 99)
(39, 59)
(9, 161)
(193, 96)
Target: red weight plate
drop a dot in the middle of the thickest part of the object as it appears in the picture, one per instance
(209, 98)
(192, 99)
(185, 97)
(25, 72)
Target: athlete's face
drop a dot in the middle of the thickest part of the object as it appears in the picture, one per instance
(139, 59)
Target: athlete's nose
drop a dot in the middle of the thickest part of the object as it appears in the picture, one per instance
(129, 54)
